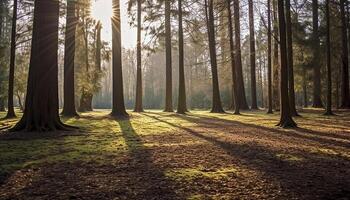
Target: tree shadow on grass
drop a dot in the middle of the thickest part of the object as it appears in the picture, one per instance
(147, 181)
(315, 177)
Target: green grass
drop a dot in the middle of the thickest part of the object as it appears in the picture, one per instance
(104, 138)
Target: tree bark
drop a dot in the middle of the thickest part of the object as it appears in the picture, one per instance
(10, 108)
(345, 96)
(118, 106)
(239, 72)
(286, 120)
(216, 99)
(182, 106)
(269, 57)
(41, 107)
(290, 62)
(252, 55)
(329, 68)
(168, 75)
(138, 102)
(233, 62)
(69, 109)
(317, 102)
(276, 64)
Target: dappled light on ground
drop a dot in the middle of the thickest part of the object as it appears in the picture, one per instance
(197, 156)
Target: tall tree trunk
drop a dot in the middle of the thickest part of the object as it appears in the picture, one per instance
(252, 55)
(290, 62)
(41, 107)
(216, 100)
(182, 107)
(69, 109)
(98, 46)
(10, 108)
(168, 74)
(239, 72)
(345, 96)
(269, 57)
(118, 106)
(305, 88)
(138, 102)
(329, 68)
(276, 64)
(286, 120)
(233, 62)
(317, 102)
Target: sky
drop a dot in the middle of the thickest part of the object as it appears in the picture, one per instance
(102, 10)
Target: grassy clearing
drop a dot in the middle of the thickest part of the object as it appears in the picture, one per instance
(209, 155)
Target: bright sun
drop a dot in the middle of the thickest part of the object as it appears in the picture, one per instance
(102, 10)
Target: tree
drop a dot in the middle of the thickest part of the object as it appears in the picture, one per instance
(232, 54)
(317, 102)
(328, 53)
(286, 120)
(239, 72)
(41, 110)
(290, 62)
(118, 107)
(216, 100)
(69, 55)
(181, 107)
(269, 57)
(168, 74)
(276, 64)
(138, 102)
(10, 108)
(345, 95)
(252, 54)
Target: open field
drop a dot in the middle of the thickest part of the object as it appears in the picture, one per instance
(157, 155)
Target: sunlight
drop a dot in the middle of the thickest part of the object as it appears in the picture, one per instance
(102, 10)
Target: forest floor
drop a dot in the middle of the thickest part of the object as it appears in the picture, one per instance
(157, 155)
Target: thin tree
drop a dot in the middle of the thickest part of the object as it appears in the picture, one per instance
(239, 72)
(182, 106)
(138, 102)
(232, 54)
(345, 96)
(69, 109)
(252, 55)
(41, 110)
(216, 100)
(317, 102)
(10, 108)
(168, 73)
(290, 62)
(269, 57)
(286, 120)
(118, 106)
(329, 69)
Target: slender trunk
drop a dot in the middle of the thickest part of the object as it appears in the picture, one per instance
(138, 102)
(216, 100)
(329, 72)
(290, 62)
(118, 106)
(168, 74)
(276, 64)
(252, 55)
(20, 101)
(269, 57)
(305, 88)
(317, 102)
(286, 120)
(69, 109)
(41, 108)
(10, 108)
(239, 72)
(232, 54)
(345, 96)
(181, 108)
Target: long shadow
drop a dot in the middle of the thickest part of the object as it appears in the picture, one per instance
(315, 178)
(147, 180)
(296, 133)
